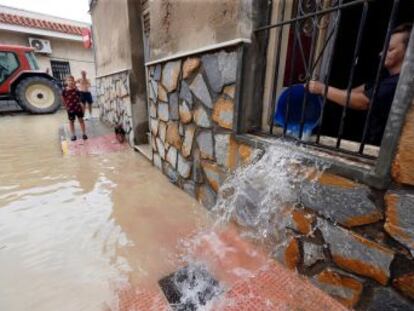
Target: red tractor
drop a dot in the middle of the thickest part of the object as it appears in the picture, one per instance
(20, 79)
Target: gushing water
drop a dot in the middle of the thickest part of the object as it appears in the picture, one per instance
(257, 197)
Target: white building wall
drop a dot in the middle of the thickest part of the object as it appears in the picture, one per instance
(73, 52)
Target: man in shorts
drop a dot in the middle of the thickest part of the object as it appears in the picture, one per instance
(72, 100)
(86, 97)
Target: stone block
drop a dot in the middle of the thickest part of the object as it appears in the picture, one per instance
(170, 75)
(205, 144)
(211, 67)
(223, 113)
(170, 172)
(301, 221)
(162, 94)
(215, 175)
(190, 188)
(172, 155)
(160, 148)
(221, 69)
(346, 289)
(181, 129)
(188, 140)
(186, 116)
(153, 110)
(173, 135)
(206, 196)
(157, 72)
(197, 172)
(200, 90)
(173, 102)
(153, 143)
(153, 90)
(403, 165)
(399, 221)
(190, 66)
(312, 253)
(405, 284)
(248, 203)
(154, 126)
(340, 200)
(185, 94)
(162, 131)
(184, 167)
(163, 112)
(157, 161)
(201, 117)
(386, 299)
(230, 91)
(356, 254)
(226, 149)
(288, 253)
(228, 66)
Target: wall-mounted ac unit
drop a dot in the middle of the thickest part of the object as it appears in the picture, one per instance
(40, 45)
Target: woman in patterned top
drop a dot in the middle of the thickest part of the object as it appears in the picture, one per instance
(72, 100)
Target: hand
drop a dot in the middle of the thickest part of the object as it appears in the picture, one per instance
(316, 87)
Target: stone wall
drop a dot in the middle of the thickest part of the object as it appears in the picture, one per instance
(114, 101)
(354, 242)
(191, 120)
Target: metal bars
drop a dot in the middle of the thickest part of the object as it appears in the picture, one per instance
(315, 13)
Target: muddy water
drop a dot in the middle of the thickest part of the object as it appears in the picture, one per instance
(74, 230)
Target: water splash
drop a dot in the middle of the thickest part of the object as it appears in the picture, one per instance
(257, 196)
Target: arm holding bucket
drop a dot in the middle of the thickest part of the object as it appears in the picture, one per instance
(357, 101)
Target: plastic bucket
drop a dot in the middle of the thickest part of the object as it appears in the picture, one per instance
(293, 96)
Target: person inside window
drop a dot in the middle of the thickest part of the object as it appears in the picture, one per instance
(361, 95)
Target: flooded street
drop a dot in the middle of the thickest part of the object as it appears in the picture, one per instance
(75, 230)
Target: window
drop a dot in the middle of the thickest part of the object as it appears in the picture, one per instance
(343, 45)
(60, 70)
(32, 61)
(8, 65)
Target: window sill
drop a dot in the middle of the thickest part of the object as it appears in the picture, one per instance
(358, 169)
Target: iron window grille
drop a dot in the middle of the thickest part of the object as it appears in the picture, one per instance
(312, 32)
(60, 70)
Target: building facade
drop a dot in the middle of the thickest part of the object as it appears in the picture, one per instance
(212, 73)
(60, 48)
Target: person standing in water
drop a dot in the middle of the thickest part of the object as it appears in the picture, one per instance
(71, 98)
(86, 97)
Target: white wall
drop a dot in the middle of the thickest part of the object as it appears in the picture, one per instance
(78, 57)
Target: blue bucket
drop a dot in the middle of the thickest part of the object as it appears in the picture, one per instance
(294, 97)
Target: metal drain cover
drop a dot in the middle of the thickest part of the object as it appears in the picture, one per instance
(190, 288)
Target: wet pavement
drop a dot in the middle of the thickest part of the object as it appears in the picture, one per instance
(97, 229)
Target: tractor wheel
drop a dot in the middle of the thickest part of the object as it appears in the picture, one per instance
(38, 95)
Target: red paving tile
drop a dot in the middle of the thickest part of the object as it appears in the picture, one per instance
(94, 146)
(264, 284)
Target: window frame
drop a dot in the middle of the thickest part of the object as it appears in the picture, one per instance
(375, 173)
(16, 69)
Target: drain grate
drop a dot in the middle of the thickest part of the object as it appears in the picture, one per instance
(190, 288)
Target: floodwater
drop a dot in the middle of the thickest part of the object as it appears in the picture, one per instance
(76, 230)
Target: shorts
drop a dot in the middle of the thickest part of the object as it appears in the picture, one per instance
(73, 114)
(86, 97)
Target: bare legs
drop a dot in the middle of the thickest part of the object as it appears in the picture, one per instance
(72, 128)
(82, 125)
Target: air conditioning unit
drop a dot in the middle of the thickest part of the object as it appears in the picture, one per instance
(40, 45)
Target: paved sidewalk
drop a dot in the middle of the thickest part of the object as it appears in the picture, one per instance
(251, 280)
(101, 139)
